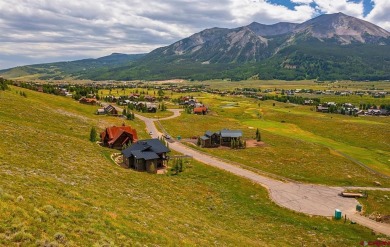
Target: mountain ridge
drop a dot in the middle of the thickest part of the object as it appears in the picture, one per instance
(278, 51)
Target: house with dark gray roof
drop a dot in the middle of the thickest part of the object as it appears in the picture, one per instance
(220, 138)
(146, 155)
(228, 135)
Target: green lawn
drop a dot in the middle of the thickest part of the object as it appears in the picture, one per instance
(57, 188)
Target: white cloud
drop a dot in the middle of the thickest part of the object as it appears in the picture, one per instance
(345, 6)
(302, 1)
(45, 29)
(246, 11)
(380, 14)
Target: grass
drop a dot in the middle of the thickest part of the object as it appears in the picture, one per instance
(301, 144)
(60, 189)
(158, 114)
(376, 202)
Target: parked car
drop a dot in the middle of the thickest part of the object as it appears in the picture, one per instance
(166, 136)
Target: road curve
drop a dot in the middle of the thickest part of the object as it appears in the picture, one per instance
(304, 198)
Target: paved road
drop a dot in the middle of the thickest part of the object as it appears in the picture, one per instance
(305, 198)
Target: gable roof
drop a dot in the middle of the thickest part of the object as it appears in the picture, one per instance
(145, 146)
(110, 108)
(200, 109)
(209, 133)
(146, 155)
(115, 132)
(87, 100)
(204, 138)
(231, 133)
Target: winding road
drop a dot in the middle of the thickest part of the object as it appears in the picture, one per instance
(304, 198)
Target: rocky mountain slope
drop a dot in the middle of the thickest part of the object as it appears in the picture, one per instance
(332, 46)
(256, 42)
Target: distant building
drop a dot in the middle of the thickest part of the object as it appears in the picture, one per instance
(220, 138)
(109, 110)
(88, 101)
(200, 110)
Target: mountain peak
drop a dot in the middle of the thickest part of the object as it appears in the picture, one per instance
(344, 28)
(272, 30)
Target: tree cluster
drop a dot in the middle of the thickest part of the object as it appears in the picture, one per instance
(178, 166)
(237, 144)
(290, 99)
(4, 84)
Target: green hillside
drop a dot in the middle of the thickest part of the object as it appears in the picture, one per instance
(59, 189)
(297, 62)
(71, 69)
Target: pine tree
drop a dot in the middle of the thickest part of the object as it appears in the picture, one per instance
(258, 135)
(93, 135)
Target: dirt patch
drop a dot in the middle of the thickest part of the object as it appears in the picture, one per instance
(170, 81)
(190, 140)
(379, 218)
(254, 143)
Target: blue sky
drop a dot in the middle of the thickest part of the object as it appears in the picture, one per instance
(367, 4)
(38, 31)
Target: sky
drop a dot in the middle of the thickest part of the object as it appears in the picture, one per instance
(39, 31)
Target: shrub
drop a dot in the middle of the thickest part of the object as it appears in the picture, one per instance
(60, 237)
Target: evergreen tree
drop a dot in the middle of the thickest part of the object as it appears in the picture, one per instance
(93, 135)
(258, 136)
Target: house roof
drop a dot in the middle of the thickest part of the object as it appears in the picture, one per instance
(88, 100)
(115, 132)
(146, 155)
(146, 146)
(200, 109)
(231, 133)
(204, 138)
(209, 133)
(109, 108)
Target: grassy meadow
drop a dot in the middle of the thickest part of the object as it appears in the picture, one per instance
(59, 189)
(300, 143)
(376, 202)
